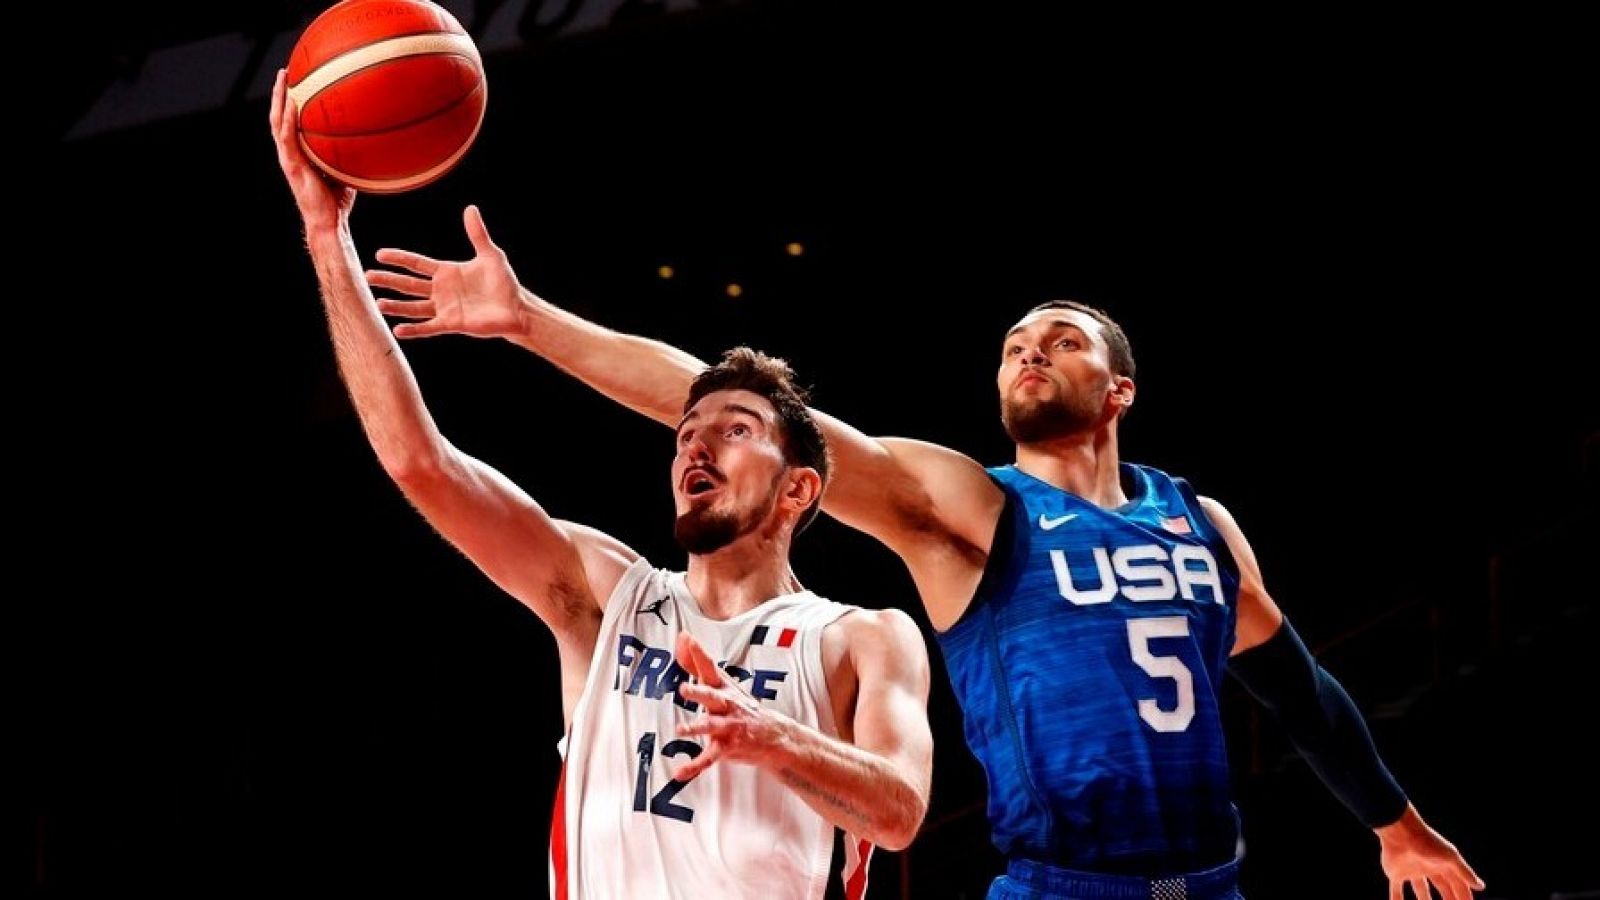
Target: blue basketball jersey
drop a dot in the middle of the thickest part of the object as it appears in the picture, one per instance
(1089, 667)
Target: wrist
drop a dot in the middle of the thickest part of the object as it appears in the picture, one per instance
(533, 315)
(327, 234)
(1409, 822)
(781, 741)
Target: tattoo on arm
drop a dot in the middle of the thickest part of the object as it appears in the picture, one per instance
(805, 786)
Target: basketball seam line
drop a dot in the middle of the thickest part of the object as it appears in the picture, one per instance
(399, 125)
(352, 61)
(403, 184)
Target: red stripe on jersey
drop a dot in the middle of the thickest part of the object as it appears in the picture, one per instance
(786, 638)
(558, 839)
(855, 885)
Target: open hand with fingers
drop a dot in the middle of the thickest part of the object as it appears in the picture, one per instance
(1413, 853)
(734, 724)
(479, 297)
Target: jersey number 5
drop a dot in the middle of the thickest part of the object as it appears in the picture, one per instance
(661, 804)
(1140, 631)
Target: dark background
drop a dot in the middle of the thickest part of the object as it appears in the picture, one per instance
(1346, 251)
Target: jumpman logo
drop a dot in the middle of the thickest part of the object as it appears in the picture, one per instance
(656, 608)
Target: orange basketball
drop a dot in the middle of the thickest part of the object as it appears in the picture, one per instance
(390, 92)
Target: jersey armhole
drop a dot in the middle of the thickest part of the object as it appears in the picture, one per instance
(1203, 524)
(1008, 549)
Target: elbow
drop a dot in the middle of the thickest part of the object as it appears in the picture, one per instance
(903, 826)
(896, 838)
(414, 469)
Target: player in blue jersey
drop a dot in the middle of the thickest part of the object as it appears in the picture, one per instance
(1087, 607)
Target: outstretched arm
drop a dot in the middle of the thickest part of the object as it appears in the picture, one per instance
(933, 506)
(1273, 664)
(556, 570)
(874, 782)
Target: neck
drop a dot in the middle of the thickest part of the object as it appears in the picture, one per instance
(1084, 464)
(743, 575)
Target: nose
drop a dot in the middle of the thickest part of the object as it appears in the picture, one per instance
(695, 450)
(1033, 356)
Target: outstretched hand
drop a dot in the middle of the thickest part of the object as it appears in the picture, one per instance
(479, 297)
(323, 202)
(738, 728)
(1413, 853)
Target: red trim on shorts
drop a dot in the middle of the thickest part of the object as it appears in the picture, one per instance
(558, 837)
(856, 887)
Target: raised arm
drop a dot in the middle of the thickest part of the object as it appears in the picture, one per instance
(933, 506)
(874, 780)
(557, 570)
(1273, 664)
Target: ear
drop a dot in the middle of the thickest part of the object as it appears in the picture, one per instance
(803, 487)
(1122, 393)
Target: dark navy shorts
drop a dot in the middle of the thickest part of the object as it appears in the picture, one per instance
(1027, 880)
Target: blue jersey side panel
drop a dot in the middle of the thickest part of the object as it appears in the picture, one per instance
(1089, 668)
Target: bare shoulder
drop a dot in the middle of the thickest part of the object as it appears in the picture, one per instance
(872, 638)
(1228, 527)
(1259, 616)
(604, 558)
(1218, 514)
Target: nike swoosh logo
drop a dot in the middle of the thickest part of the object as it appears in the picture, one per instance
(1048, 524)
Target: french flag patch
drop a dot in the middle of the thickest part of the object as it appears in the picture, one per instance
(772, 637)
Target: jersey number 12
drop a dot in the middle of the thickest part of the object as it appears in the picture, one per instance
(661, 804)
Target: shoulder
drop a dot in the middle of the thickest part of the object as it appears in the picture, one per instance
(606, 560)
(1219, 516)
(870, 637)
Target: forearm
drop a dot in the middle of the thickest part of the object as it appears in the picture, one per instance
(649, 377)
(1323, 723)
(859, 791)
(380, 382)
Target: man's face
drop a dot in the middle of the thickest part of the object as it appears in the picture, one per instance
(1055, 373)
(728, 470)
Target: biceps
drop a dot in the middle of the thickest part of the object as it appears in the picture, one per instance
(892, 721)
(908, 493)
(509, 537)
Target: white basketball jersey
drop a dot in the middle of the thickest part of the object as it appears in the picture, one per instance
(623, 828)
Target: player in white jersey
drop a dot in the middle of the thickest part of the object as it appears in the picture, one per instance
(682, 779)
(633, 735)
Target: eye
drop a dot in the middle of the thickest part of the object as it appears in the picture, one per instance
(1013, 350)
(739, 430)
(684, 435)
(1069, 343)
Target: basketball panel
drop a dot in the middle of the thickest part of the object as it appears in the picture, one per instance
(353, 24)
(390, 95)
(429, 147)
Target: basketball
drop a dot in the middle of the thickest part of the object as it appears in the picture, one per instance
(391, 93)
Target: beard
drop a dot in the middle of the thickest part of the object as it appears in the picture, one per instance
(702, 530)
(1031, 421)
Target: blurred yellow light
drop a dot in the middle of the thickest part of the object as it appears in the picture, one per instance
(795, 248)
(734, 289)
(665, 272)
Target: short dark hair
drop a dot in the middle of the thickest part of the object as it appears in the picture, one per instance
(1116, 338)
(744, 369)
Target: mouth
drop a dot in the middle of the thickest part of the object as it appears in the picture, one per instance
(698, 482)
(1029, 378)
